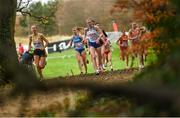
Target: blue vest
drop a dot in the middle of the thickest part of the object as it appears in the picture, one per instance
(77, 42)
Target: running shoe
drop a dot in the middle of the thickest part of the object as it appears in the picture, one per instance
(111, 68)
(97, 72)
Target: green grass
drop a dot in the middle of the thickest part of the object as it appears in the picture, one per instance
(59, 66)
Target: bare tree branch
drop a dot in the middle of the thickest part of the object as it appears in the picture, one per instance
(39, 18)
(19, 4)
(22, 5)
(22, 8)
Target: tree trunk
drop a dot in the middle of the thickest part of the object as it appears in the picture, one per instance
(10, 69)
(8, 55)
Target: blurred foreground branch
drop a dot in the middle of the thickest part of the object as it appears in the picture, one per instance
(162, 97)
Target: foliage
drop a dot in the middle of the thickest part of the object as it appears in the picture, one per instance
(46, 24)
(46, 114)
(48, 10)
(168, 26)
(162, 19)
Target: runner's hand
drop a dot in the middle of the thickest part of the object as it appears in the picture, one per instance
(97, 41)
(101, 35)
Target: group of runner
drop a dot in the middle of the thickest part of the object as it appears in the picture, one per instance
(96, 42)
(132, 44)
(138, 46)
(93, 40)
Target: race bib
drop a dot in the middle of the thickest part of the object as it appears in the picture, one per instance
(37, 45)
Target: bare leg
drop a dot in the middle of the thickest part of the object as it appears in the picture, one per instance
(106, 59)
(36, 61)
(103, 55)
(127, 60)
(40, 73)
(42, 66)
(83, 55)
(99, 58)
(141, 60)
(110, 60)
(78, 57)
(132, 60)
(145, 54)
(42, 62)
(93, 58)
(122, 55)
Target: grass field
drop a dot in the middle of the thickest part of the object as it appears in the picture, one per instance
(64, 63)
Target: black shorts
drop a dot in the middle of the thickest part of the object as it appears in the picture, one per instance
(39, 52)
(94, 44)
(80, 50)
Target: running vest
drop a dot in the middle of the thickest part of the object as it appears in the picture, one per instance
(135, 36)
(77, 42)
(124, 41)
(37, 41)
(92, 35)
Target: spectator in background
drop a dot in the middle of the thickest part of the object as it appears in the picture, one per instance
(20, 51)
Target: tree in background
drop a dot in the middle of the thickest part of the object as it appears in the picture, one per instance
(74, 13)
(48, 10)
(43, 15)
(59, 16)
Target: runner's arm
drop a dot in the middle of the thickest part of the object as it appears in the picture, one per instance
(117, 42)
(100, 34)
(70, 42)
(85, 38)
(129, 35)
(85, 32)
(82, 39)
(30, 41)
(45, 40)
